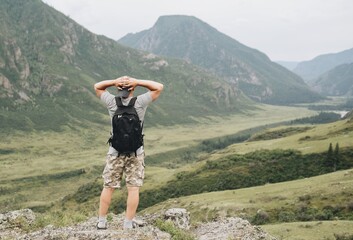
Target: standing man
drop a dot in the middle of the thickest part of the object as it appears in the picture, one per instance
(131, 164)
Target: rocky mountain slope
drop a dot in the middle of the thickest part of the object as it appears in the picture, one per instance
(195, 41)
(13, 225)
(311, 70)
(49, 63)
(336, 82)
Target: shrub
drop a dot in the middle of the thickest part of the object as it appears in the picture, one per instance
(304, 198)
(87, 191)
(260, 218)
(305, 213)
(286, 216)
(344, 236)
(325, 214)
(176, 233)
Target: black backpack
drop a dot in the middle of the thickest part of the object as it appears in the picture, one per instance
(127, 130)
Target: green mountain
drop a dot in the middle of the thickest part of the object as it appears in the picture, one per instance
(189, 38)
(311, 70)
(49, 63)
(336, 82)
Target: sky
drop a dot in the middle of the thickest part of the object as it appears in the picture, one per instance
(287, 30)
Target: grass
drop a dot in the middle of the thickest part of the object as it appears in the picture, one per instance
(247, 201)
(39, 153)
(31, 154)
(325, 190)
(323, 230)
(42, 152)
(162, 139)
(316, 139)
(176, 233)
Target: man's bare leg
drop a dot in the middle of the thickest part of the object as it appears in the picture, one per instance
(105, 199)
(132, 204)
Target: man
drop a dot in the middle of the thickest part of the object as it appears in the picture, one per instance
(131, 164)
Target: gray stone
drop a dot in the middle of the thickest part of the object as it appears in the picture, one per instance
(179, 216)
(226, 228)
(230, 228)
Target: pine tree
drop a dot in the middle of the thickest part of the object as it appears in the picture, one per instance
(336, 157)
(329, 157)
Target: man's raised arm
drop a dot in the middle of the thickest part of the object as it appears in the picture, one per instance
(101, 86)
(155, 87)
(130, 83)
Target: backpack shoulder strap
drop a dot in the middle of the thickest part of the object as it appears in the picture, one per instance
(132, 101)
(118, 101)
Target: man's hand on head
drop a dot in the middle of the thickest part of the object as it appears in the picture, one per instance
(121, 82)
(131, 83)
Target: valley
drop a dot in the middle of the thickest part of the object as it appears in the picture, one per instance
(29, 152)
(64, 168)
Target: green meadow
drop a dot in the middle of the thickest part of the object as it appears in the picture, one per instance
(55, 164)
(26, 154)
(51, 172)
(329, 191)
(320, 230)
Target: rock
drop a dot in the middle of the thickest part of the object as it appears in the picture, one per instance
(11, 224)
(230, 228)
(88, 231)
(16, 219)
(179, 216)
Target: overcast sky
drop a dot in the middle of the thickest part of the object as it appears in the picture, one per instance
(292, 30)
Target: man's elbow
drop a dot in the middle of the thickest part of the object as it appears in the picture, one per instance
(97, 90)
(156, 93)
(95, 86)
(160, 87)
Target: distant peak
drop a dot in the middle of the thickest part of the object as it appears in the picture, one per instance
(171, 20)
(176, 17)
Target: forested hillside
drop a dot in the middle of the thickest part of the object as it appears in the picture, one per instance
(49, 63)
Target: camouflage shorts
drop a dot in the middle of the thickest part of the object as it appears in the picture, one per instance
(132, 166)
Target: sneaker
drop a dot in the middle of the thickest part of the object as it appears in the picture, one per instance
(138, 222)
(101, 225)
(128, 224)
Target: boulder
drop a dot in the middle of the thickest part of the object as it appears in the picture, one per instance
(179, 216)
(230, 228)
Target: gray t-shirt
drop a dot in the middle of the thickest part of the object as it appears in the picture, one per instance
(141, 104)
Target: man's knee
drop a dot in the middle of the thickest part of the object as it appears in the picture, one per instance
(107, 192)
(133, 189)
(109, 189)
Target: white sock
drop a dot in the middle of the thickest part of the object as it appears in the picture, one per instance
(127, 223)
(102, 221)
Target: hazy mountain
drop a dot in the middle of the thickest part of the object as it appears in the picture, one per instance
(191, 39)
(336, 82)
(49, 63)
(290, 65)
(310, 70)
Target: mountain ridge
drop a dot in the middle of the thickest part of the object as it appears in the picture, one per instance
(193, 40)
(312, 69)
(337, 81)
(49, 63)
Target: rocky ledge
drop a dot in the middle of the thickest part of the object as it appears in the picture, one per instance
(11, 227)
